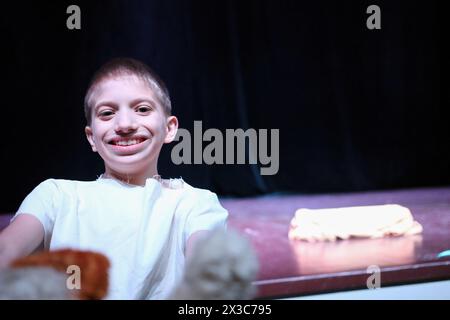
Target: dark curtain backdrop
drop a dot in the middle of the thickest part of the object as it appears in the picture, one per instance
(356, 109)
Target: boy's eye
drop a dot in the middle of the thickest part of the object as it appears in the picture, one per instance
(106, 113)
(143, 109)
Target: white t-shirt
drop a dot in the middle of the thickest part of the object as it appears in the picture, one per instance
(141, 229)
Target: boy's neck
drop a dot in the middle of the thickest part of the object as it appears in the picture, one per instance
(133, 179)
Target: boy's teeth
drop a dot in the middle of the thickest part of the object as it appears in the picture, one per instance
(127, 143)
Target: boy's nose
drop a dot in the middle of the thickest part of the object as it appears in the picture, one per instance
(125, 122)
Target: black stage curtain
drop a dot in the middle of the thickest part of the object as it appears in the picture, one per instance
(356, 109)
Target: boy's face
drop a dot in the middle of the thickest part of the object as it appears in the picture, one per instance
(129, 125)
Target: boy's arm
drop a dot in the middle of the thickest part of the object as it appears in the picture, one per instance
(20, 238)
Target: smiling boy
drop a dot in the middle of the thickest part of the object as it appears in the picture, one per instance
(145, 225)
(129, 119)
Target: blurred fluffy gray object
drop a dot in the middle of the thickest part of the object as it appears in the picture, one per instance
(222, 266)
(37, 283)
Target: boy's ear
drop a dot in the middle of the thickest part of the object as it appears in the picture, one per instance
(172, 128)
(90, 138)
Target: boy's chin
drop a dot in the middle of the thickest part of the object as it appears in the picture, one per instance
(131, 168)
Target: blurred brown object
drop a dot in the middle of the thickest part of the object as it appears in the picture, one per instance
(93, 266)
(352, 222)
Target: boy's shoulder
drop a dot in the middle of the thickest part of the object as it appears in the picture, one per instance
(191, 192)
(64, 184)
(194, 200)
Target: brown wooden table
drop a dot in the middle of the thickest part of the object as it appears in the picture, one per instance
(296, 268)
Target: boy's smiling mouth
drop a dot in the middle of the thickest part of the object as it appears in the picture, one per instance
(121, 141)
(128, 145)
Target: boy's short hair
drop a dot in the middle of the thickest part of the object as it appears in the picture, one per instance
(124, 67)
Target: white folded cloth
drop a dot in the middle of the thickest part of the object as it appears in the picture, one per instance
(344, 223)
